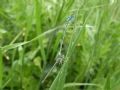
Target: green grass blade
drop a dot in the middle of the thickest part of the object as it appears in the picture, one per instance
(1, 69)
(81, 84)
(15, 45)
(58, 83)
(38, 18)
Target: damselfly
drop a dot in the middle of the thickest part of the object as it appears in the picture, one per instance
(60, 57)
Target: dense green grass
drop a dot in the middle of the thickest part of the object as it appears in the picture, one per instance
(30, 37)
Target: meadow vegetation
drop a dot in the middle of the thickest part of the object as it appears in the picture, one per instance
(31, 33)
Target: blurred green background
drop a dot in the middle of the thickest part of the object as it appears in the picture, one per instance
(30, 37)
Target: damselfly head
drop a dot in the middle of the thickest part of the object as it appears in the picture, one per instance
(70, 18)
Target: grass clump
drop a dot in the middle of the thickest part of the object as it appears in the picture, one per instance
(30, 39)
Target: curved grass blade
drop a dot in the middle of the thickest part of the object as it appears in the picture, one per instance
(15, 45)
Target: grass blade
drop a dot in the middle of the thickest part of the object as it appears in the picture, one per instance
(38, 18)
(1, 69)
(58, 83)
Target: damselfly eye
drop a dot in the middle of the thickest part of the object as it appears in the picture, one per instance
(69, 18)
